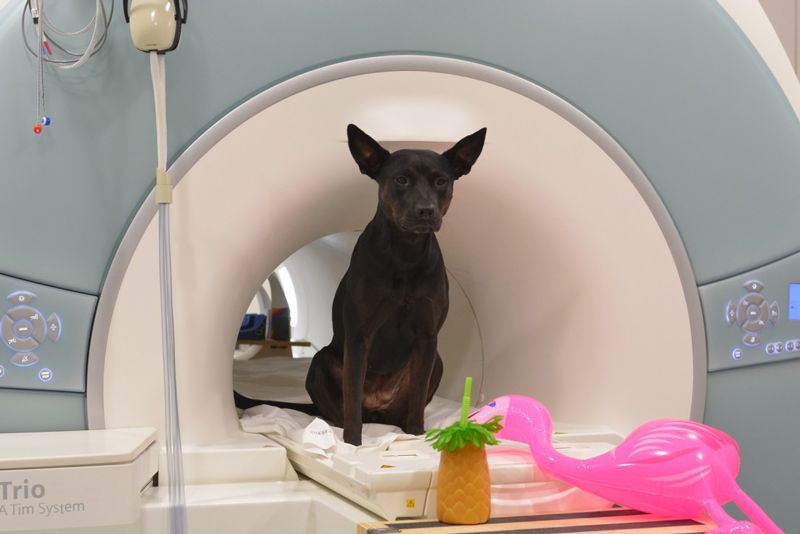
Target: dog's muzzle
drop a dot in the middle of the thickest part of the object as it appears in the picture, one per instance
(421, 226)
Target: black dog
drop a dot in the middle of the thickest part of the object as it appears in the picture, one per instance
(382, 365)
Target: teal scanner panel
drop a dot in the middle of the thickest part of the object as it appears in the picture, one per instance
(754, 318)
(41, 411)
(675, 83)
(45, 336)
(758, 406)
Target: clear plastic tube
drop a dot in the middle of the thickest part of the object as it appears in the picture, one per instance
(177, 499)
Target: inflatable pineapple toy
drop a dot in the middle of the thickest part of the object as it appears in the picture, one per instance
(464, 493)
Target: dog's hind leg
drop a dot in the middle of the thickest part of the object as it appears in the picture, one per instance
(436, 378)
(323, 384)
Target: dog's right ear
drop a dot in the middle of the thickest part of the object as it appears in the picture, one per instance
(366, 151)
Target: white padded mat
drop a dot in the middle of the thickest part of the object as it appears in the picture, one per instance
(283, 379)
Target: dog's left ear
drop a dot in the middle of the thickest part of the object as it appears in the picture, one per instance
(464, 153)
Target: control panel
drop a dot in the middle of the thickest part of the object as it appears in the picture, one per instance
(754, 318)
(45, 336)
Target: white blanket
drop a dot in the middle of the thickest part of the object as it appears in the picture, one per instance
(318, 437)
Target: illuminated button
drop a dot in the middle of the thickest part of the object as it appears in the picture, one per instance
(741, 312)
(754, 285)
(751, 340)
(778, 347)
(736, 353)
(23, 329)
(754, 326)
(24, 359)
(21, 297)
(774, 312)
(22, 312)
(790, 346)
(770, 348)
(749, 304)
(33, 316)
(730, 313)
(45, 374)
(20, 345)
(753, 298)
(7, 328)
(54, 327)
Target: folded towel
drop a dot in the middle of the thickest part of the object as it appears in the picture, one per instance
(320, 438)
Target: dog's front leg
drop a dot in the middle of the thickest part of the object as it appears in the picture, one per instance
(422, 363)
(356, 351)
(360, 327)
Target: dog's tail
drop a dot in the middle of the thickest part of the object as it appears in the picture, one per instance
(246, 402)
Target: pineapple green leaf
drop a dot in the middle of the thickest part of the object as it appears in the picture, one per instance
(458, 434)
(464, 431)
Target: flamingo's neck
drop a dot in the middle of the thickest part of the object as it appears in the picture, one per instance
(548, 458)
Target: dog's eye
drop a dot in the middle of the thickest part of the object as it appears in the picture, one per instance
(440, 182)
(401, 180)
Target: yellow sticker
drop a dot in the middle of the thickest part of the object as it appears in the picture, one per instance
(387, 466)
(411, 503)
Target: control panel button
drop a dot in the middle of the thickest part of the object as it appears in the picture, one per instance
(20, 345)
(790, 346)
(33, 316)
(54, 327)
(778, 347)
(753, 298)
(754, 286)
(774, 313)
(736, 353)
(730, 313)
(749, 307)
(24, 359)
(751, 340)
(45, 374)
(770, 349)
(23, 329)
(2, 371)
(23, 312)
(21, 297)
(7, 328)
(741, 312)
(754, 326)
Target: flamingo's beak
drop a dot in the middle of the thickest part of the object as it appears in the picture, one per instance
(486, 412)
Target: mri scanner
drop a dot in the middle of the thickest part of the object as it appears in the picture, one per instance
(626, 247)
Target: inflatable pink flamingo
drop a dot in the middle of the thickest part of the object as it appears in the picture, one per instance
(667, 467)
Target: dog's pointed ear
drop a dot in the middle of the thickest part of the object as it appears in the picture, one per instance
(366, 151)
(465, 153)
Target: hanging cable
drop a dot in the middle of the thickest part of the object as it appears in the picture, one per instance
(49, 47)
(177, 499)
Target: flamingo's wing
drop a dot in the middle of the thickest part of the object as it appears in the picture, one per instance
(668, 440)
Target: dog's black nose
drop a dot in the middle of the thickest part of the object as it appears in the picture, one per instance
(425, 211)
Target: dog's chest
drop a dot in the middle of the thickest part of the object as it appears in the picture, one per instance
(410, 288)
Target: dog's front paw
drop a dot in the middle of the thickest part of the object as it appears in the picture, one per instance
(352, 437)
(415, 429)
